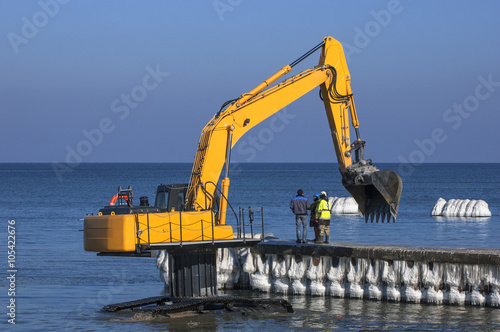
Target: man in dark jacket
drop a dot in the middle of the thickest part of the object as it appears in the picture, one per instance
(299, 206)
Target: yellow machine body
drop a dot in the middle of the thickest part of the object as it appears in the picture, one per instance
(126, 232)
(205, 204)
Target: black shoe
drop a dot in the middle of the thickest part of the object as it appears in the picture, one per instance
(325, 242)
(304, 241)
(298, 241)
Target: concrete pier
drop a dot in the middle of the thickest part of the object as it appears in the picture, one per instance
(460, 255)
(458, 276)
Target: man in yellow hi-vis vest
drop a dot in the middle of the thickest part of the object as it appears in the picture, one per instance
(323, 217)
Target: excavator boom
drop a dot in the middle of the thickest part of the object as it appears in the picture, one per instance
(376, 192)
(196, 212)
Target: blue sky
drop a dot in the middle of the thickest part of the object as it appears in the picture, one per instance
(136, 81)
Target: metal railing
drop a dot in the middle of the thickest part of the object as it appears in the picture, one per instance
(250, 212)
(248, 220)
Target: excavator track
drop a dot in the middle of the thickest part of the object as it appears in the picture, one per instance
(134, 304)
(165, 306)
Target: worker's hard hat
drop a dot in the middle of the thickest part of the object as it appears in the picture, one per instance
(323, 193)
(316, 195)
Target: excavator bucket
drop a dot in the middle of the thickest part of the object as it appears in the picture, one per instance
(376, 192)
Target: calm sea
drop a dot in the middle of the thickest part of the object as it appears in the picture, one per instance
(59, 286)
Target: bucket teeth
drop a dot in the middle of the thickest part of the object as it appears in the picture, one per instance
(378, 195)
(387, 213)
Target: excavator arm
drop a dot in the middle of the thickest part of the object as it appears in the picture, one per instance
(126, 229)
(376, 192)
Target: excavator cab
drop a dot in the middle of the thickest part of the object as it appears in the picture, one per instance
(171, 197)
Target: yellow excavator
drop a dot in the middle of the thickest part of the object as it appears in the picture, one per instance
(196, 212)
